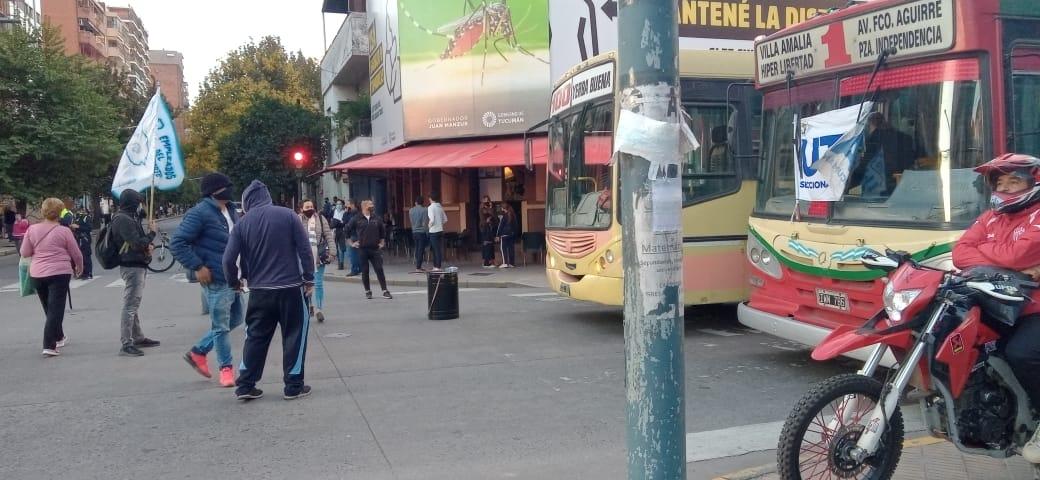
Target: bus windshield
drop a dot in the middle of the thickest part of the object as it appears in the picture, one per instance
(579, 174)
(925, 134)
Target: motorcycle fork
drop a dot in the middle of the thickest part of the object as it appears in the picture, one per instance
(850, 405)
(868, 442)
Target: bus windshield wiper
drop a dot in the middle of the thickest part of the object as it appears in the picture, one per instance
(881, 59)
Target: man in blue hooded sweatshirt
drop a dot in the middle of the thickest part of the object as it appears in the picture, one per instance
(272, 247)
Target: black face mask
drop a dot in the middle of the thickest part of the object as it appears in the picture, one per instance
(308, 213)
(223, 195)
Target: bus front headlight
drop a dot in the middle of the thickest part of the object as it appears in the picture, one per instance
(609, 255)
(759, 256)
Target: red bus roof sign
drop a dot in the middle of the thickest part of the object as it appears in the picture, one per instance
(914, 28)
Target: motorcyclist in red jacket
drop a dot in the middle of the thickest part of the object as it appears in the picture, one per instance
(1008, 236)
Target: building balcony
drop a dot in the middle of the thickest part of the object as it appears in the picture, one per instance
(346, 60)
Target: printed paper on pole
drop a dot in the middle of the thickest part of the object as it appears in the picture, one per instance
(831, 144)
(653, 140)
(153, 155)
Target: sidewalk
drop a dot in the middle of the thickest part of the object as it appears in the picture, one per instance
(927, 458)
(399, 269)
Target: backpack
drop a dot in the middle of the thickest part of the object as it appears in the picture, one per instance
(105, 249)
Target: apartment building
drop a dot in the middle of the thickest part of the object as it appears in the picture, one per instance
(128, 39)
(82, 24)
(20, 12)
(167, 69)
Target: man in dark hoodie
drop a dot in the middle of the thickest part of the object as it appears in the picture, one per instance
(135, 253)
(272, 247)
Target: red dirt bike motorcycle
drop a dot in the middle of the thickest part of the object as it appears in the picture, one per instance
(944, 330)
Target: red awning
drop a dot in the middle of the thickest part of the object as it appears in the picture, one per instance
(462, 154)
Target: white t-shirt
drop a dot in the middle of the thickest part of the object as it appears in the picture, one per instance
(227, 216)
(437, 217)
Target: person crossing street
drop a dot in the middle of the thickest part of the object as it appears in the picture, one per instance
(275, 254)
(199, 244)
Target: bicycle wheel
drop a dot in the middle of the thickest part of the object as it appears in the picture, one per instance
(162, 259)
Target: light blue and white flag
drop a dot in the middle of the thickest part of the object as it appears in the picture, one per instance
(831, 143)
(153, 155)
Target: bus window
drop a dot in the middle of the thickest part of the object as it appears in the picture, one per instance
(1025, 99)
(711, 170)
(579, 171)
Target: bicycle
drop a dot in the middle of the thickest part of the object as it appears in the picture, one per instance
(162, 256)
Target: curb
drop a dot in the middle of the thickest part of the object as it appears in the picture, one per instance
(422, 283)
(763, 470)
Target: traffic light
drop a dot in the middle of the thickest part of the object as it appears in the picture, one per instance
(299, 158)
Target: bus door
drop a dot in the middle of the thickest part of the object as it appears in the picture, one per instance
(719, 189)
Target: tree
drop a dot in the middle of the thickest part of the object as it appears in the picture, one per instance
(267, 134)
(59, 120)
(255, 70)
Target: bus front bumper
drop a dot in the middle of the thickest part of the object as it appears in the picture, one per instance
(799, 332)
(591, 288)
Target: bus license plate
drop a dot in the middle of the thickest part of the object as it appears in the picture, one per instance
(832, 299)
(565, 289)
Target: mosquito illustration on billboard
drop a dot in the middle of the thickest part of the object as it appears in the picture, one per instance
(482, 20)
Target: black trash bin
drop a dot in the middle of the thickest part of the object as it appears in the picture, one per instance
(442, 294)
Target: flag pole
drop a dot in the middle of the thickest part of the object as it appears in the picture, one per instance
(151, 191)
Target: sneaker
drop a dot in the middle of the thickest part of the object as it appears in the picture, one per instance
(227, 376)
(503, 266)
(130, 351)
(306, 390)
(145, 342)
(61, 343)
(251, 394)
(386, 294)
(198, 362)
(368, 295)
(1031, 450)
(47, 352)
(418, 271)
(320, 316)
(352, 274)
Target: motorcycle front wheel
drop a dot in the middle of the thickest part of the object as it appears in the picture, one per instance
(823, 428)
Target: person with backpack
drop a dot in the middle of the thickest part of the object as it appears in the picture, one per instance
(135, 253)
(199, 244)
(55, 259)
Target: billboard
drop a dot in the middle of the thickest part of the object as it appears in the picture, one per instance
(473, 67)
(585, 28)
(384, 76)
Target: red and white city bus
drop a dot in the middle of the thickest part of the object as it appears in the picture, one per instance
(958, 81)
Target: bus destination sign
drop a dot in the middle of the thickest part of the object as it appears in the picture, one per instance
(585, 86)
(914, 28)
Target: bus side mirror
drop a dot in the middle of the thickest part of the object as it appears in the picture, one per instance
(528, 155)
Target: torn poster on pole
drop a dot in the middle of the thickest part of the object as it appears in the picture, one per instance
(832, 143)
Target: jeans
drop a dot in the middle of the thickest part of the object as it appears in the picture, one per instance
(319, 287)
(375, 257)
(268, 309)
(355, 261)
(437, 248)
(130, 322)
(487, 253)
(52, 292)
(341, 251)
(225, 313)
(420, 239)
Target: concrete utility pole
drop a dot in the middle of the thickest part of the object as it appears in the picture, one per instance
(651, 207)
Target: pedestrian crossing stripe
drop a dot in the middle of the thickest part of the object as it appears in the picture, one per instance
(539, 294)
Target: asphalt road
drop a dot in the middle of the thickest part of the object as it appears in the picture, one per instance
(524, 385)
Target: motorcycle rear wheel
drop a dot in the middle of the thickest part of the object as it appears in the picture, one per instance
(816, 437)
